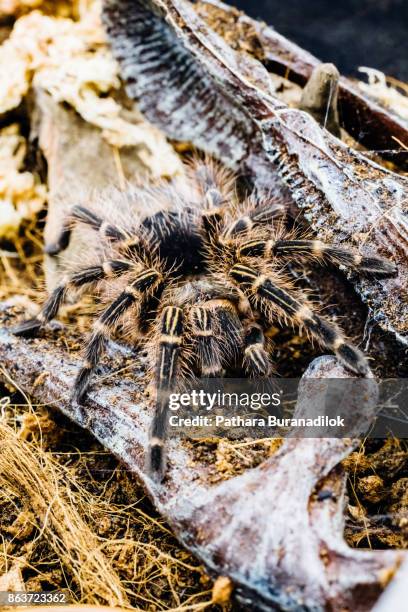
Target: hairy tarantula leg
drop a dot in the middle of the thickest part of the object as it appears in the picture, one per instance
(62, 241)
(338, 255)
(106, 323)
(204, 333)
(265, 292)
(80, 214)
(52, 305)
(260, 215)
(170, 343)
(256, 358)
(230, 329)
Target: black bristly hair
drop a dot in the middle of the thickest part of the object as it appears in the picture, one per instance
(199, 273)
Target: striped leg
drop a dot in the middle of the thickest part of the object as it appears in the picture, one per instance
(270, 297)
(260, 215)
(204, 331)
(315, 249)
(145, 282)
(169, 347)
(80, 214)
(230, 329)
(87, 276)
(216, 334)
(256, 357)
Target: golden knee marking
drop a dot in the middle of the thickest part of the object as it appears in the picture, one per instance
(155, 441)
(303, 314)
(107, 268)
(132, 291)
(357, 259)
(338, 342)
(252, 248)
(318, 248)
(170, 366)
(144, 281)
(269, 248)
(221, 303)
(203, 333)
(100, 328)
(170, 339)
(259, 281)
(149, 274)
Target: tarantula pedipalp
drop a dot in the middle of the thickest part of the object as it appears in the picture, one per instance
(199, 276)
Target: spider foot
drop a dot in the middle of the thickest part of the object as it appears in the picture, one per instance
(81, 386)
(59, 245)
(353, 358)
(378, 266)
(156, 460)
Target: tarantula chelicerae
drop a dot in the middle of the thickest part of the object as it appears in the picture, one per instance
(199, 276)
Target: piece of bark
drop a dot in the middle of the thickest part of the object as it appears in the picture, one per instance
(375, 127)
(81, 163)
(396, 596)
(266, 529)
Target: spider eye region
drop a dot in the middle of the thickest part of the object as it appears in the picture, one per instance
(179, 246)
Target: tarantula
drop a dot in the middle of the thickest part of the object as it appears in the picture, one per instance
(199, 275)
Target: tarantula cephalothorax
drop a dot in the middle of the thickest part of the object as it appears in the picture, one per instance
(199, 276)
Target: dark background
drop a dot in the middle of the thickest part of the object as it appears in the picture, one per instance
(349, 33)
